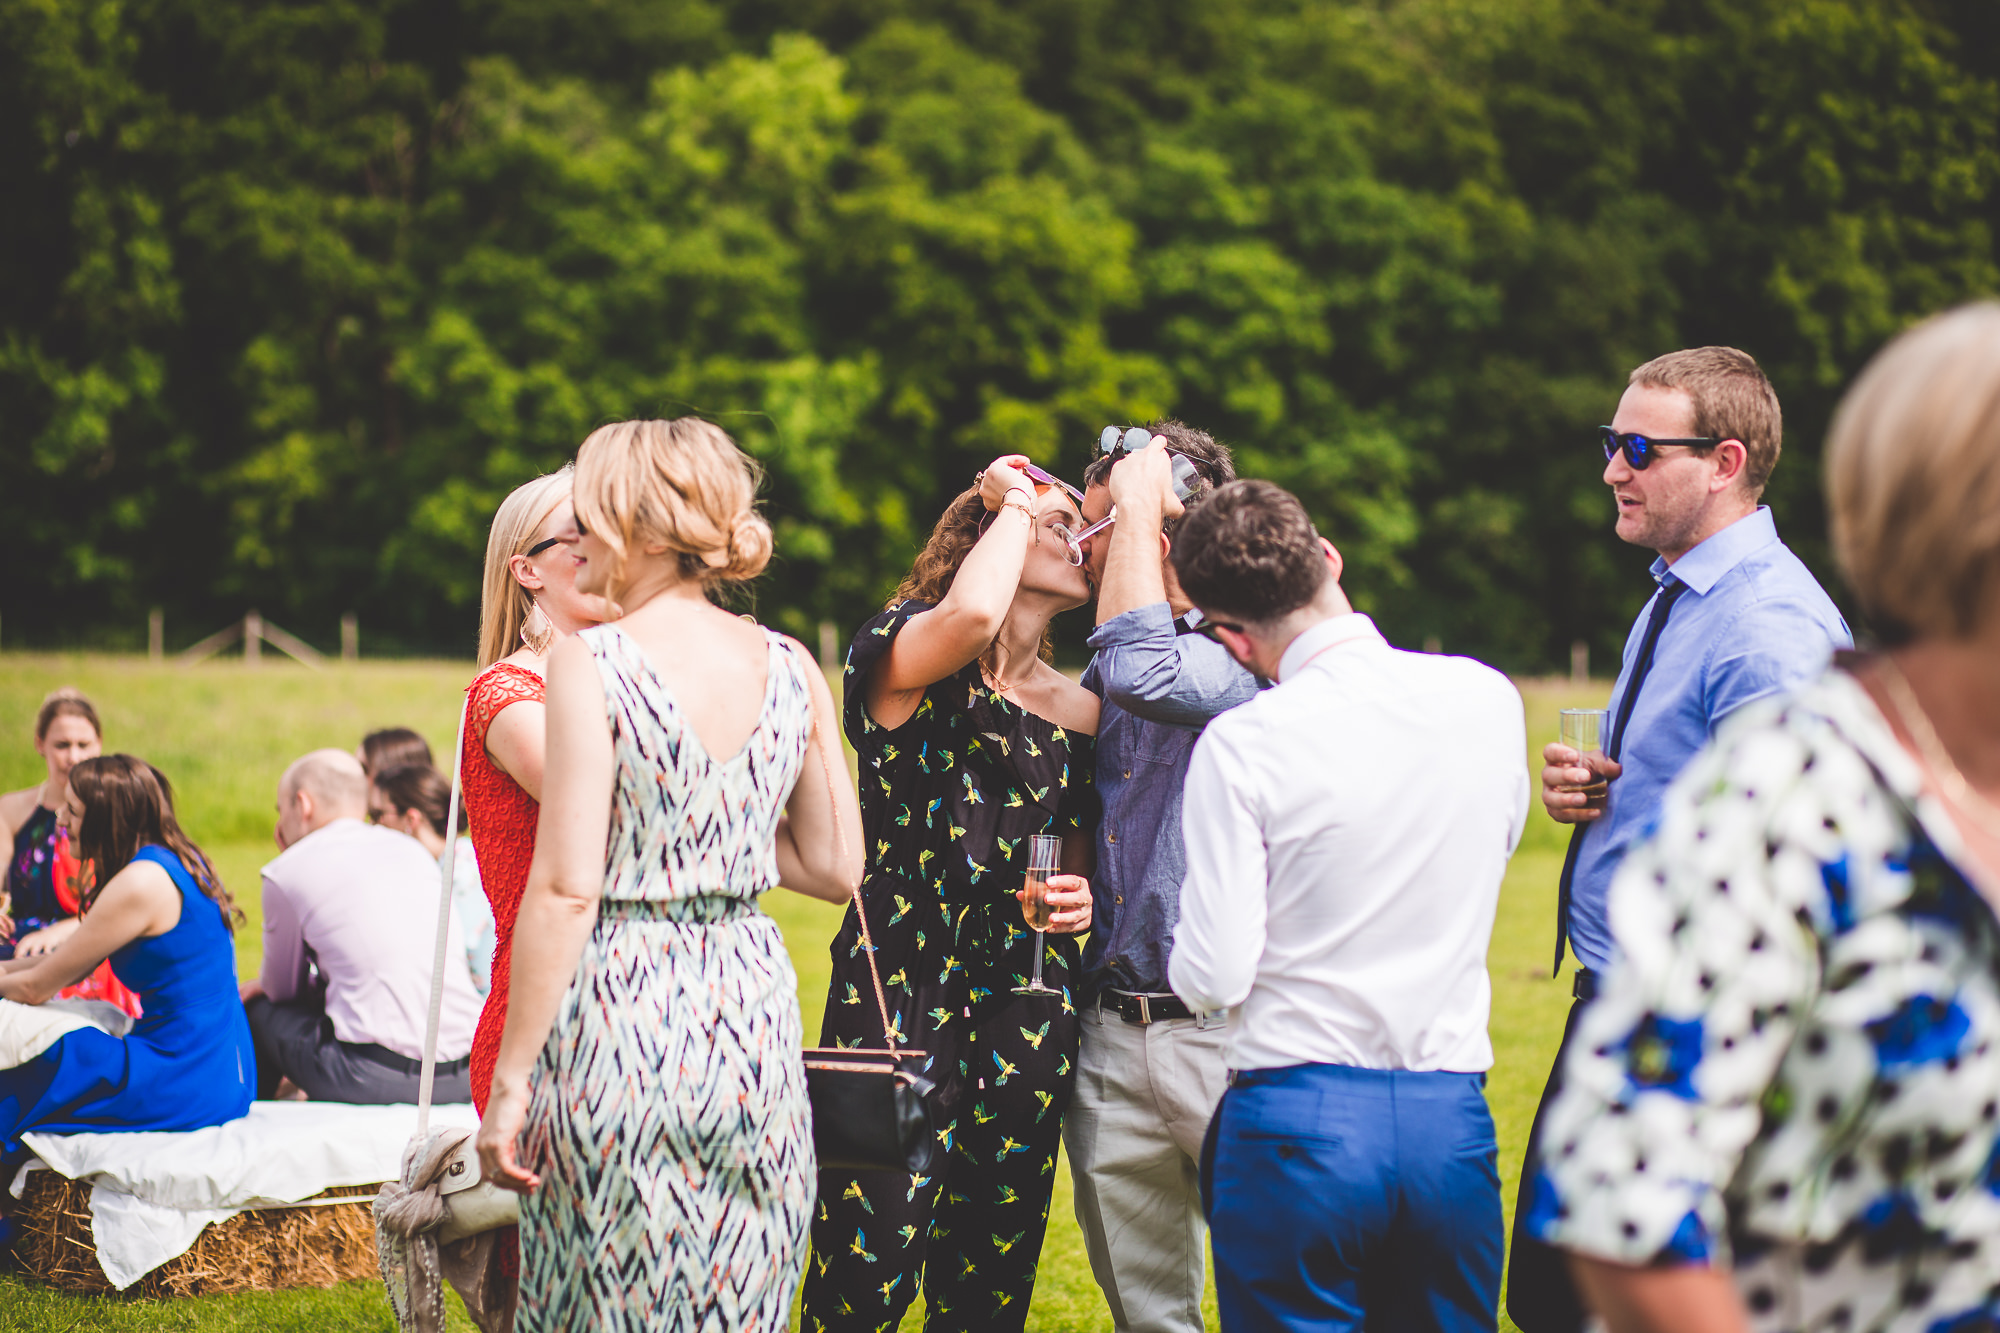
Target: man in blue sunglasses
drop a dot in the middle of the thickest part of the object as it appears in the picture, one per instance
(1734, 617)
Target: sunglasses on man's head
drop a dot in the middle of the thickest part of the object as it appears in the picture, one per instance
(1639, 449)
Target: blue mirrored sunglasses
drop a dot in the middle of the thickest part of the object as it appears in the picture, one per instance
(1638, 449)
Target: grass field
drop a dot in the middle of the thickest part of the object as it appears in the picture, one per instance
(223, 733)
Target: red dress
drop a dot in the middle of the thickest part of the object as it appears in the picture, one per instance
(502, 817)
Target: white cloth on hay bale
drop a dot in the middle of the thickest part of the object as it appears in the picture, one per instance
(152, 1193)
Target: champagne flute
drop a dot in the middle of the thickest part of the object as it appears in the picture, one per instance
(1583, 730)
(1044, 849)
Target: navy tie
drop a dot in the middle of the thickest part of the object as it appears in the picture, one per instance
(1662, 604)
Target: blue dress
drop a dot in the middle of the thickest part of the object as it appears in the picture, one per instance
(187, 1064)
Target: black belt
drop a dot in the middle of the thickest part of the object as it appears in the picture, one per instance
(1584, 987)
(1144, 1008)
(403, 1064)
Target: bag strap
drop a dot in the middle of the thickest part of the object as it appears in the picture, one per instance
(840, 844)
(446, 867)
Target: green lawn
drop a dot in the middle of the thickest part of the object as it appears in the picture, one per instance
(223, 733)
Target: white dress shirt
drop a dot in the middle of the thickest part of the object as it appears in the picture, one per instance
(1347, 831)
(360, 902)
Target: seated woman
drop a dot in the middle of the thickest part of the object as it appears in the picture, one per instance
(40, 882)
(158, 911)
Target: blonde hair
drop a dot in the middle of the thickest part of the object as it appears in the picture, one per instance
(1913, 477)
(1732, 401)
(503, 603)
(682, 484)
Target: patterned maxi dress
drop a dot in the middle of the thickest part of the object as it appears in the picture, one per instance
(668, 1119)
(948, 800)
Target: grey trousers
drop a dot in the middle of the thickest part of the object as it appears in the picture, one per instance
(295, 1040)
(1144, 1097)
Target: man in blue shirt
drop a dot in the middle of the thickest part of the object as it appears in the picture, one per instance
(1149, 1073)
(1735, 617)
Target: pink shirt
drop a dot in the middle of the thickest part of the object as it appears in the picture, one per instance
(359, 901)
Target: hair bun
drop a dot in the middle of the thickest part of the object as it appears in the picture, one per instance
(749, 548)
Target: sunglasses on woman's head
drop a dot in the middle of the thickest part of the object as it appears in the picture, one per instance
(1638, 449)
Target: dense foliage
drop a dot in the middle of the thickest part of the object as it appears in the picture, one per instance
(292, 291)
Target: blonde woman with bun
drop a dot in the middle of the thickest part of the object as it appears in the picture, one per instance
(649, 1099)
(528, 603)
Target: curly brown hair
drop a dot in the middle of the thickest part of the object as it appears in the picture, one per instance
(958, 530)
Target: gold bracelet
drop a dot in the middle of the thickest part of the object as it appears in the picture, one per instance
(1027, 507)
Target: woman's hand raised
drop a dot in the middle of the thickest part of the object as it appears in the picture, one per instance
(1002, 475)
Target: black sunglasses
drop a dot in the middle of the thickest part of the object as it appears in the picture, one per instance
(1207, 629)
(1638, 449)
(542, 546)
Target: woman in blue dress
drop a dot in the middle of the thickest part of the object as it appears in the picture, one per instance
(158, 911)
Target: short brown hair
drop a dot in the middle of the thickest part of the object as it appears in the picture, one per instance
(1913, 478)
(1250, 550)
(681, 483)
(65, 702)
(1732, 401)
(1214, 464)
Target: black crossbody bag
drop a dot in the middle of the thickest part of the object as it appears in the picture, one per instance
(868, 1108)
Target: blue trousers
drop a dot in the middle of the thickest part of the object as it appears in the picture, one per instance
(1339, 1198)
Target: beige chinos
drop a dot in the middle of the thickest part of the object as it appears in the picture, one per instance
(1144, 1095)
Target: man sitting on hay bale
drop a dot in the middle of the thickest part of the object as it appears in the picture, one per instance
(341, 1003)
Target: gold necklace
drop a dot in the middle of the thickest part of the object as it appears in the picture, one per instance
(1951, 782)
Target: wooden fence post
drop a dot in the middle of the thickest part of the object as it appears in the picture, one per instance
(253, 639)
(1579, 662)
(350, 638)
(156, 635)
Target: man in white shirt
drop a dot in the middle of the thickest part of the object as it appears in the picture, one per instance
(1346, 834)
(349, 934)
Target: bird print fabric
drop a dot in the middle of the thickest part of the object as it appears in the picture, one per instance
(948, 800)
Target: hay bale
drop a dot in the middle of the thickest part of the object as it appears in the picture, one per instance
(269, 1249)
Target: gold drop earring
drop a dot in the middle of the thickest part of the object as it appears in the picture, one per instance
(538, 632)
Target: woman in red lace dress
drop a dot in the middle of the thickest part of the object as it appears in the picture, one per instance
(529, 601)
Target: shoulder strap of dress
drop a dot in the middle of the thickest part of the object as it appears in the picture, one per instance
(492, 690)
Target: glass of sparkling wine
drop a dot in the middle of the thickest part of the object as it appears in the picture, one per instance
(1583, 730)
(1043, 851)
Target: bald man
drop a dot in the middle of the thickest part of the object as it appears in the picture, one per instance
(350, 910)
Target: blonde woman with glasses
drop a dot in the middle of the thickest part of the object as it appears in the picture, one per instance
(529, 603)
(651, 1067)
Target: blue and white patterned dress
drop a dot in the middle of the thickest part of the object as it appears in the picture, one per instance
(669, 1120)
(1793, 1068)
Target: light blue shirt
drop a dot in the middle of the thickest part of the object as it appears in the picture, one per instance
(1160, 688)
(1753, 622)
